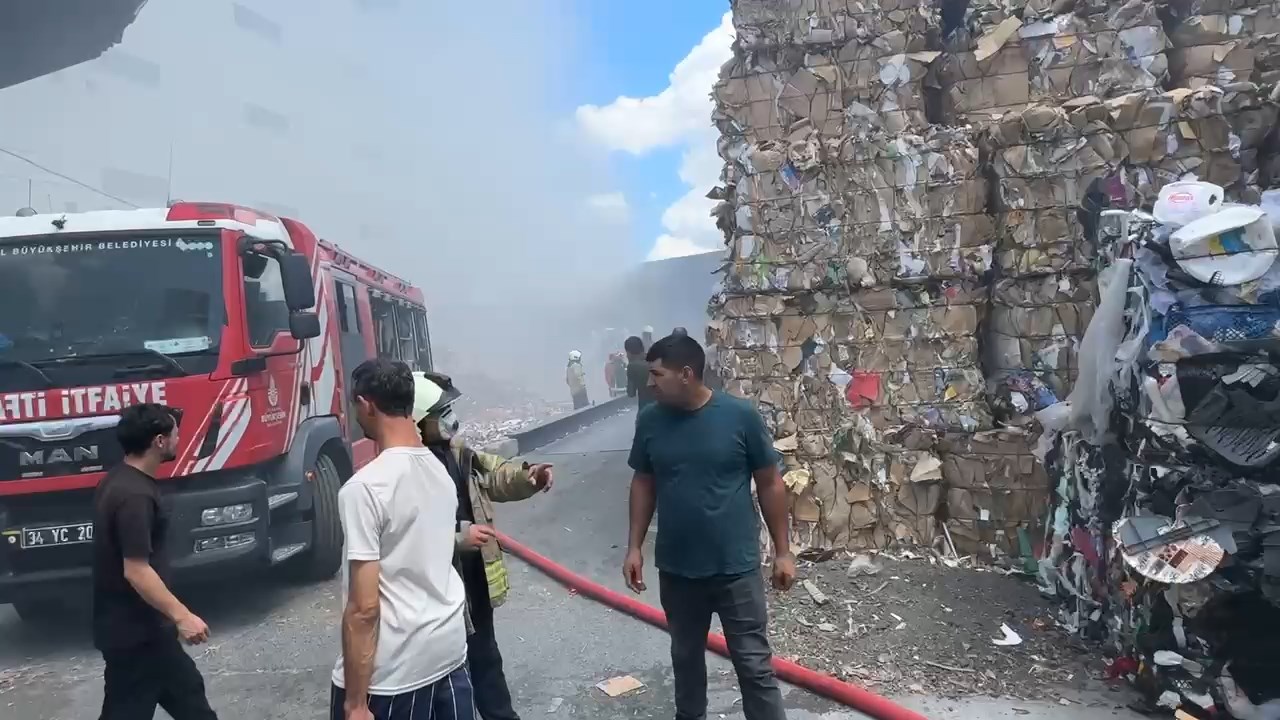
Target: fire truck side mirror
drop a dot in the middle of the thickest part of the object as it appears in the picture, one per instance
(299, 287)
(304, 324)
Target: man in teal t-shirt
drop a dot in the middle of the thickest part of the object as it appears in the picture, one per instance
(694, 454)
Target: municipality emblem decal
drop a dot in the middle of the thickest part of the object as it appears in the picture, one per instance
(273, 392)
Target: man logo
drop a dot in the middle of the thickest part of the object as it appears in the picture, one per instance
(273, 392)
(78, 454)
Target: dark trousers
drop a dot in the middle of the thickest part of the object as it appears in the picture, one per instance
(493, 698)
(740, 602)
(157, 673)
(449, 698)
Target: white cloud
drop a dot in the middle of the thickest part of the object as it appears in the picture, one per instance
(670, 246)
(678, 116)
(638, 125)
(610, 207)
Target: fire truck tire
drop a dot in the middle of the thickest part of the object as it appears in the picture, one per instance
(42, 612)
(324, 558)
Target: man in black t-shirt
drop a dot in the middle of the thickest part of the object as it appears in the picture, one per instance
(136, 619)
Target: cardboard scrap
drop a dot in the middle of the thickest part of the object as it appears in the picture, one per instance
(619, 686)
(819, 597)
(995, 39)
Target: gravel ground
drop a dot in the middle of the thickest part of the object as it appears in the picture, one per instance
(918, 624)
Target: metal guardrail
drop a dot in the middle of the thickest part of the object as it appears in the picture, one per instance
(531, 439)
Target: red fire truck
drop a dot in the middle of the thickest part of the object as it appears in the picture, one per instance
(246, 322)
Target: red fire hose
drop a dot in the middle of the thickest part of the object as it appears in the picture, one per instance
(819, 683)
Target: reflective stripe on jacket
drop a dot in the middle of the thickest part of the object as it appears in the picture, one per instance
(492, 478)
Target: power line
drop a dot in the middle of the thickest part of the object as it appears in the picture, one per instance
(68, 178)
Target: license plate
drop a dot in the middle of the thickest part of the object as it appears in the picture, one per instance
(56, 535)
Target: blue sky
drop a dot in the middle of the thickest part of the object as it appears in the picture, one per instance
(630, 49)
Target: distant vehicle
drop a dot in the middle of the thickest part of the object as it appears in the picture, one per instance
(247, 323)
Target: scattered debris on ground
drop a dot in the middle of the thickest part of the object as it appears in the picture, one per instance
(920, 626)
(13, 677)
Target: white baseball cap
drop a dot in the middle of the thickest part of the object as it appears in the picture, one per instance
(1232, 246)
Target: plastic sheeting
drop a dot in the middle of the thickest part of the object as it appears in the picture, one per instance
(1164, 540)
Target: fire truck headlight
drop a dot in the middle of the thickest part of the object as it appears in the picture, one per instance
(226, 515)
(223, 542)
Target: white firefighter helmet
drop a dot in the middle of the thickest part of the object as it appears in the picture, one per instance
(432, 393)
(574, 356)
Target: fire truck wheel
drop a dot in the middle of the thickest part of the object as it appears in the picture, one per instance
(323, 559)
(43, 612)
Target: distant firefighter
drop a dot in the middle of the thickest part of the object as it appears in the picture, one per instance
(637, 372)
(576, 377)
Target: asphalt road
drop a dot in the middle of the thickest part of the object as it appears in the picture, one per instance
(273, 644)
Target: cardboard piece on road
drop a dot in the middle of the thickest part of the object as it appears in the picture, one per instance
(819, 597)
(618, 686)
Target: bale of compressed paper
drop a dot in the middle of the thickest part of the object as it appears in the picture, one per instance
(997, 492)
(1219, 42)
(914, 492)
(772, 23)
(830, 508)
(965, 22)
(1223, 45)
(1046, 159)
(1000, 459)
(1212, 133)
(882, 209)
(907, 379)
(975, 529)
(1021, 60)
(773, 86)
(1032, 341)
(896, 355)
(788, 404)
(915, 204)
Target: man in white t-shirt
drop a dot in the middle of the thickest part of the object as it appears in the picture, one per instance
(404, 635)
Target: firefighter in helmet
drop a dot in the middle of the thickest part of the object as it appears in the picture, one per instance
(481, 479)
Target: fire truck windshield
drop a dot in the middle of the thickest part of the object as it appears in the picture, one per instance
(84, 309)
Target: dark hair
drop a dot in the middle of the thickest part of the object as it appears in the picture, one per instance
(633, 345)
(678, 351)
(140, 424)
(388, 384)
(680, 331)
